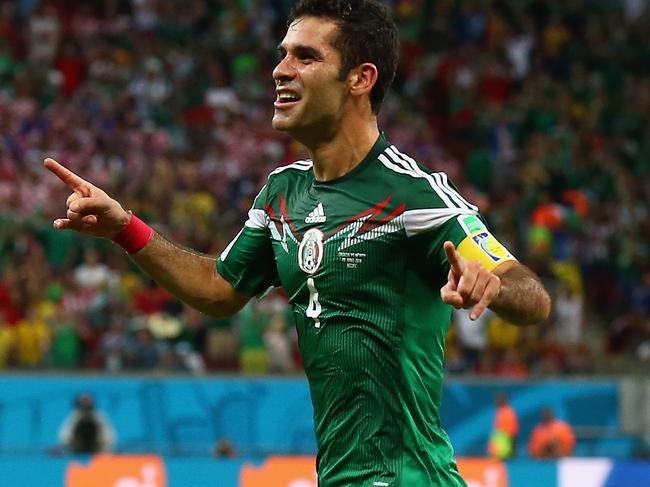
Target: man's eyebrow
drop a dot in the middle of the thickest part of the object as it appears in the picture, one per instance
(302, 51)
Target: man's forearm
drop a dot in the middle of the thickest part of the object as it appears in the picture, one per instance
(190, 276)
(522, 299)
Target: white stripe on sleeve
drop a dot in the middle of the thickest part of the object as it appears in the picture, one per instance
(256, 218)
(226, 251)
(419, 221)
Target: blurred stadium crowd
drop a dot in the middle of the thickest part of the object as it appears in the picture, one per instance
(538, 110)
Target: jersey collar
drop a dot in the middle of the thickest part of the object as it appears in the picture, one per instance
(379, 146)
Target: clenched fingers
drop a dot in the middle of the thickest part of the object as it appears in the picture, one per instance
(82, 211)
(475, 288)
(86, 206)
(480, 284)
(450, 296)
(76, 221)
(491, 291)
(71, 198)
(468, 280)
(84, 223)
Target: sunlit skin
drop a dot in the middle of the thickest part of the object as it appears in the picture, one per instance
(309, 70)
(331, 117)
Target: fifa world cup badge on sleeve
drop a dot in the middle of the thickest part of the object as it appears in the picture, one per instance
(310, 252)
(490, 246)
(480, 244)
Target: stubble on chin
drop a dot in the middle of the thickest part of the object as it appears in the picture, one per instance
(280, 123)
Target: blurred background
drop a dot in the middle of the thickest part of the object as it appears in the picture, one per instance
(538, 110)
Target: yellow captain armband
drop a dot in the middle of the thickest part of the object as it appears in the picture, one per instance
(481, 245)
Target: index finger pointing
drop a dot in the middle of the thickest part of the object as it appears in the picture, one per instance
(454, 258)
(68, 177)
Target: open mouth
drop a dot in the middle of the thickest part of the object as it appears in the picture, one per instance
(286, 99)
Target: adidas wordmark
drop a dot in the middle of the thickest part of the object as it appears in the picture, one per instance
(317, 215)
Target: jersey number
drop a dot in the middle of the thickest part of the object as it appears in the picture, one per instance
(314, 308)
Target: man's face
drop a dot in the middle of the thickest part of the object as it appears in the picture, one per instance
(310, 94)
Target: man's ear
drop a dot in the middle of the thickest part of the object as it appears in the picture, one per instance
(362, 79)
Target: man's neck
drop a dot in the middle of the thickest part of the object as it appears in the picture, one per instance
(341, 154)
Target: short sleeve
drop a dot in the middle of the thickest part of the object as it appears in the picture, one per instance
(248, 263)
(438, 213)
(471, 238)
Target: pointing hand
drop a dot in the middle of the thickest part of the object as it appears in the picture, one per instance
(469, 284)
(90, 210)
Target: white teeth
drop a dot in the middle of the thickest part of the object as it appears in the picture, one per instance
(287, 97)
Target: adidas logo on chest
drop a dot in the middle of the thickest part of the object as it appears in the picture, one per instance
(317, 215)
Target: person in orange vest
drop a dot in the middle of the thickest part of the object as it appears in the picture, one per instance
(551, 438)
(505, 428)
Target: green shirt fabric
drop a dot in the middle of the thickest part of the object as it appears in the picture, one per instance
(362, 261)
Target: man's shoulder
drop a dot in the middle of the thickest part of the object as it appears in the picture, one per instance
(282, 180)
(291, 170)
(409, 173)
(419, 185)
(399, 162)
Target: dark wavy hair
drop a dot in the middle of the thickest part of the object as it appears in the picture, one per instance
(367, 34)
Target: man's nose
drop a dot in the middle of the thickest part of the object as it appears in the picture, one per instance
(283, 71)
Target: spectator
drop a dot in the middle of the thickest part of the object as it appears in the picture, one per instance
(65, 349)
(143, 352)
(472, 335)
(569, 314)
(86, 429)
(551, 438)
(32, 340)
(511, 366)
(254, 356)
(44, 32)
(187, 359)
(505, 430)
(224, 449)
(113, 347)
(276, 337)
(7, 338)
(93, 274)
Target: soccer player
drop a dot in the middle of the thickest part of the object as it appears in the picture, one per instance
(372, 249)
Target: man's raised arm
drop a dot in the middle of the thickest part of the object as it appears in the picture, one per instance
(190, 276)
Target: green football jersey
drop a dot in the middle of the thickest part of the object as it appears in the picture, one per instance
(361, 258)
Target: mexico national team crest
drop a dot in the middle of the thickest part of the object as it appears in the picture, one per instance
(310, 252)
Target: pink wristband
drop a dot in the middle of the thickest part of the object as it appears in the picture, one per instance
(134, 236)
